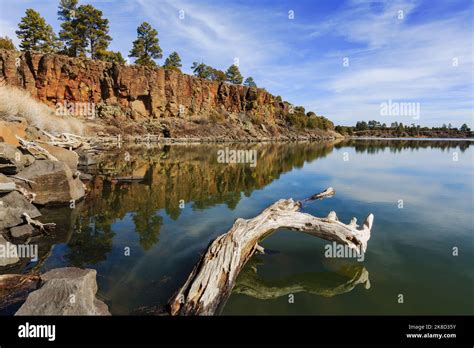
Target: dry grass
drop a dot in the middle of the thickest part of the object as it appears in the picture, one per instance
(15, 102)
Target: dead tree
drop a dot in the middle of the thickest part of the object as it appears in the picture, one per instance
(212, 280)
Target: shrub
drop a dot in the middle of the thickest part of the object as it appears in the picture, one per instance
(15, 102)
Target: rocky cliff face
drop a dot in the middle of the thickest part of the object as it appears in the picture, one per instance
(139, 91)
(134, 93)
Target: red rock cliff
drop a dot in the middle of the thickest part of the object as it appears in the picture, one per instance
(139, 91)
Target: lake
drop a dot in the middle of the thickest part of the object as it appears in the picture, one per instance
(144, 236)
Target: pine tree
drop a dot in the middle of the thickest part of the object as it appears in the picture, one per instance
(93, 30)
(111, 56)
(35, 34)
(233, 75)
(69, 34)
(173, 62)
(6, 43)
(249, 82)
(146, 47)
(200, 70)
(465, 128)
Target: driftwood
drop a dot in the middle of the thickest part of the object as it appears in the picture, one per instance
(43, 228)
(22, 179)
(35, 149)
(212, 280)
(11, 186)
(30, 196)
(65, 140)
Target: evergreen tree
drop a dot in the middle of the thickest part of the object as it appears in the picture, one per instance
(69, 34)
(35, 34)
(200, 70)
(93, 30)
(208, 72)
(111, 56)
(146, 47)
(6, 43)
(217, 75)
(173, 62)
(233, 75)
(465, 128)
(249, 82)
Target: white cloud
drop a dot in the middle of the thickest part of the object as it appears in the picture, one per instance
(215, 34)
(401, 61)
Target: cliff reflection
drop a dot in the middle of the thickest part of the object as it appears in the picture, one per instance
(147, 182)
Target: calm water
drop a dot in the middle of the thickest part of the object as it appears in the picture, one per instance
(410, 252)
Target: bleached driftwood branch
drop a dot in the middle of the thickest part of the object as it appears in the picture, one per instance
(210, 283)
(29, 145)
(44, 228)
(65, 140)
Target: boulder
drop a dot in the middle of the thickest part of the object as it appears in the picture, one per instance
(53, 183)
(6, 184)
(7, 257)
(12, 205)
(64, 155)
(65, 291)
(12, 159)
(22, 232)
(86, 159)
(9, 130)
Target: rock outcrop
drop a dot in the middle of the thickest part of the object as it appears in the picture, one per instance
(12, 206)
(149, 100)
(65, 291)
(52, 182)
(140, 91)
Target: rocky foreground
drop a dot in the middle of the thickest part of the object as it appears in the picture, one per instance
(34, 173)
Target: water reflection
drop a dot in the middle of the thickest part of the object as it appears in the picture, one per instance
(172, 176)
(327, 284)
(146, 214)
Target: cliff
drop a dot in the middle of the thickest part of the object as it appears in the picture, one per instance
(148, 100)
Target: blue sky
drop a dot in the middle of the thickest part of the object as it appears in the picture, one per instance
(403, 56)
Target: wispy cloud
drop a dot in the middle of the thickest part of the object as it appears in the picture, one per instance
(405, 56)
(215, 33)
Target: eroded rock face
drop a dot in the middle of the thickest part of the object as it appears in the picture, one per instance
(134, 92)
(65, 291)
(52, 182)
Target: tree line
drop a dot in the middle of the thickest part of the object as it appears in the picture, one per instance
(399, 129)
(85, 32)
